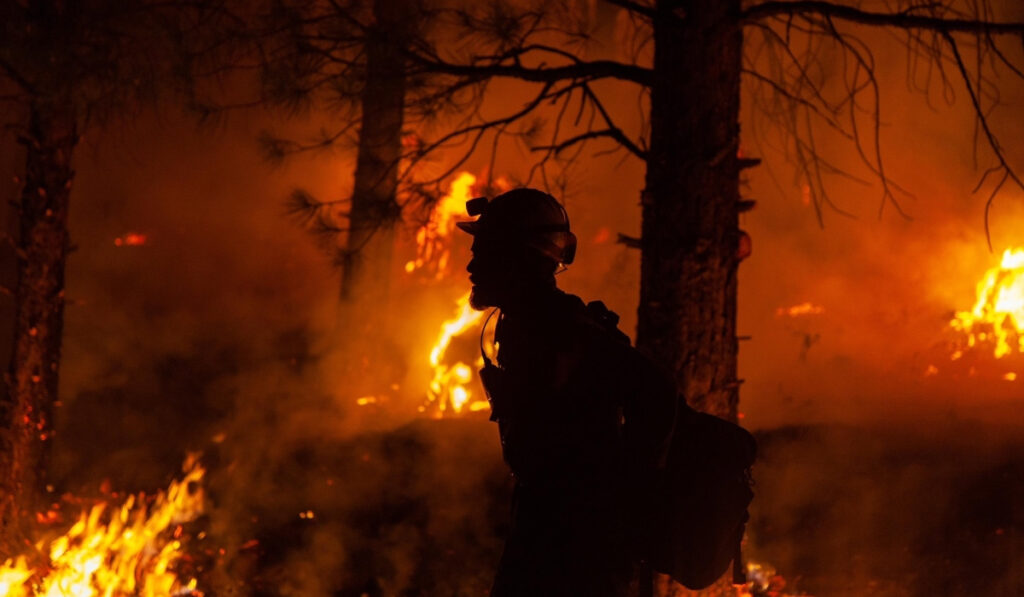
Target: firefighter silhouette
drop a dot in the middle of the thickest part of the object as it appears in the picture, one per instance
(582, 416)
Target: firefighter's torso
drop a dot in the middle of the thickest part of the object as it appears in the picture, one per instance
(554, 393)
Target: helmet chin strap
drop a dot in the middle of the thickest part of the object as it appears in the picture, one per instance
(483, 329)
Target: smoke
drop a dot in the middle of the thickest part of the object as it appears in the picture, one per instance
(845, 510)
(215, 330)
(219, 334)
(887, 283)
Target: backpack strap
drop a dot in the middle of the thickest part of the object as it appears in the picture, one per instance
(606, 319)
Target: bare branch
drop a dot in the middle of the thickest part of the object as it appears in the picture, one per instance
(993, 142)
(482, 127)
(902, 20)
(615, 134)
(777, 88)
(15, 76)
(635, 7)
(597, 69)
(620, 136)
(630, 241)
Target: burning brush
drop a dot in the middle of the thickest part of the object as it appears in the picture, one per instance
(451, 390)
(130, 551)
(988, 340)
(997, 320)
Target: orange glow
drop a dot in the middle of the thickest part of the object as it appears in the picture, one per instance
(1011, 376)
(763, 579)
(433, 239)
(130, 552)
(996, 322)
(131, 239)
(449, 389)
(800, 310)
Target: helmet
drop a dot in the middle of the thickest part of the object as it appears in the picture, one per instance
(526, 216)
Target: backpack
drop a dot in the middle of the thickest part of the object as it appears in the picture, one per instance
(700, 506)
(700, 503)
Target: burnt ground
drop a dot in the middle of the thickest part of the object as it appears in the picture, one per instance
(839, 511)
(892, 511)
(907, 510)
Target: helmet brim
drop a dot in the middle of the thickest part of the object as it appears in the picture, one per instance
(471, 227)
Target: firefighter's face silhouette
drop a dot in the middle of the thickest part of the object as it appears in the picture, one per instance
(504, 272)
(488, 273)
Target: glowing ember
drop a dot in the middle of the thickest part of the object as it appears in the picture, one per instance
(997, 320)
(800, 310)
(449, 389)
(763, 580)
(132, 239)
(433, 239)
(130, 552)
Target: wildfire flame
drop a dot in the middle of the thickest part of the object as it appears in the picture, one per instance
(433, 239)
(997, 319)
(450, 386)
(131, 552)
(800, 310)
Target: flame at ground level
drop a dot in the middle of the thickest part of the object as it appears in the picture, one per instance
(131, 239)
(805, 308)
(997, 319)
(132, 551)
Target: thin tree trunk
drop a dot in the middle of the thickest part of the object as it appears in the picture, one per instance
(375, 210)
(26, 413)
(687, 316)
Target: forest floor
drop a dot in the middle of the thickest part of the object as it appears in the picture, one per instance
(839, 510)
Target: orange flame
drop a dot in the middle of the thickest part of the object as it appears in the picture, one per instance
(128, 553)
(450, 386)
(763, 579)
(997, 319)
(433, 239)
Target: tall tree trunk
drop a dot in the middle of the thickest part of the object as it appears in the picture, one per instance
(690, 226)
(687, 317)
(26, 413)
(375, 210)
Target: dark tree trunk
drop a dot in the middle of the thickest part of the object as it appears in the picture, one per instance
(687, 316)
(375, 210)
(26, 414)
